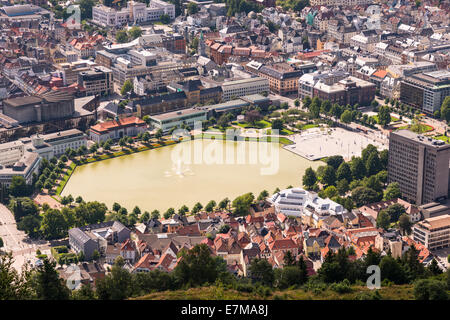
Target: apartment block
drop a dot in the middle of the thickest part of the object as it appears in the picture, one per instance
(433, 233)
(420, 165)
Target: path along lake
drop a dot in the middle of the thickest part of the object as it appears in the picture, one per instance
(188, 172)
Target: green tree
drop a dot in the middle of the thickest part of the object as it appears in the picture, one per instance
(358, 168)
(331, 191)
(47, 283)
(405, 223)
(445, 109)
(242, 204)
(430, 289)
(121, 36)
(127, 87)
(309, 178)
(116, 285)
(135, 32)
(334, 161)
(363, 195)
(18, 187)
(197, 207)
(261, 271)
(30, 225)
(210, 206)
(155, 214)
(277, 124)
(224, 203)
(383, 220)
(53, 225)
(165, 18)
(169, 213)
(344, 172)
(197, 266)
(192, 8)
(342, 186)
(392, 270)
(13, 285)
(384, 116)
(264, 194)
(346, 117)
(373, 164)
(329, 176)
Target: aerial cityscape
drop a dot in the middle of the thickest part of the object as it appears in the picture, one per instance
(225, 150)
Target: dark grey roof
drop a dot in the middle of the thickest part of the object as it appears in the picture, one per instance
(79, 235)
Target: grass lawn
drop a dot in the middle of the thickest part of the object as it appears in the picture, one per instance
(394, 292)
(426, 128)
(393, 119)
(63, 182)
(286, 132)
(309, 126)
(262, 124)
(443, 138)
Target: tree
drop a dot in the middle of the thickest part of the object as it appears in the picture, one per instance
(242, 204)
(135, 32)
(433, 268)
(264, 194)
(342, 186)
(183, 210)
(53, 225)
(13, 285)
(261, 271)
(164, 18)
(277, 124)
(169, 213)
(430, 289)
(392, 270)
(159, 134)
(384, 116)
(197, 266)
(252, 116)
(383, 220)
(224, 229)
(79, 199)
(395, 211)
(18, 187)
(116, 207)
(121, 36)
(95, 255)
(334, 161)
(192, 8)
(445, 109)
(346, 117)
(116, 285)
(30, 225)
(22, 207)
(331, 191)
(344, 172)
(364, 195)
(309, 178)
(197, 207)
(210, 206)
(47, 283)
(127, 87)
(358, 168)
(329, 176)
(224, 203)
(86, 9)
(373, 164)
(405, 223)
(155, 214)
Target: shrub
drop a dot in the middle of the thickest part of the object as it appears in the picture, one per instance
(341, 287)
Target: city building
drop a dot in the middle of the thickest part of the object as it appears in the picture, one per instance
(116, 129)
(134, 12)
(283, 77)
(55, 144)
(10, 152)
(238, 88)
(25, 166)
(337, 87)
(433, 233)
(420, 165)
(167, 121)
(426, 91)
(90, 238)
(98, 81)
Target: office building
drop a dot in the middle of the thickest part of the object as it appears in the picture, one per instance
(97, 81)
(426, 91)
(167, 121)
(239, 88)
(420, 165)
(433, 233)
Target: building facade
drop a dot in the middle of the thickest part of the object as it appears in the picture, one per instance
(420, 165)
(433, 233)
(239, 88)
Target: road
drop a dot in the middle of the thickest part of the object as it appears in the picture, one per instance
(16, 241)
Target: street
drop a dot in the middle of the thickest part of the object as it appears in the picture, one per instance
(16, 241)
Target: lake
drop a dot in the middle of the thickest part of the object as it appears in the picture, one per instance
(188, 172)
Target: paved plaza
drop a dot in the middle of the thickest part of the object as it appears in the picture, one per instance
(317, 143)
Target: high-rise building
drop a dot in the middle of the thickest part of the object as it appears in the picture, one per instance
(426, 91)
(420, 165)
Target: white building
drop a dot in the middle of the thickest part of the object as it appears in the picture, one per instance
(239, 88)
(58, 142)
(169, 120)
(294, 201)
(11, 152)
(433, 233)
(135, 12)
